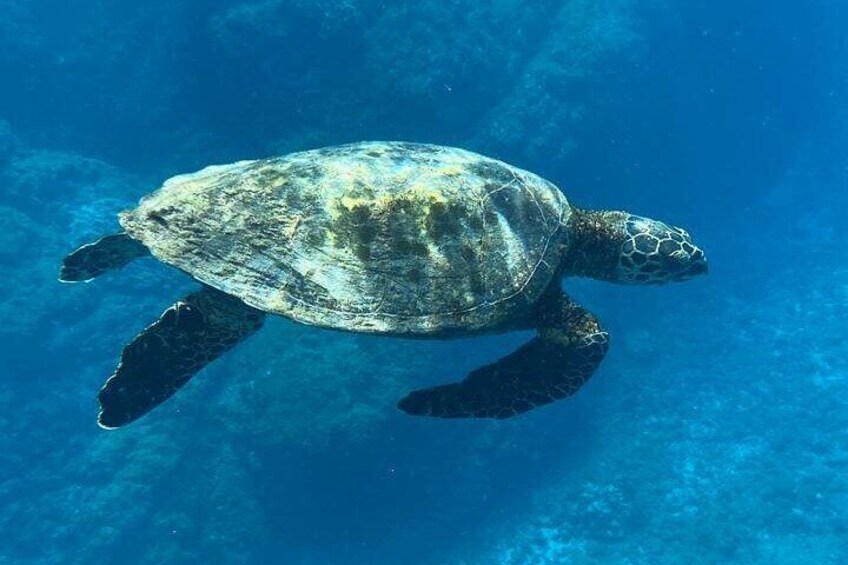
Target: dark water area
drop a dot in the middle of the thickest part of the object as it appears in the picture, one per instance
(713, 432)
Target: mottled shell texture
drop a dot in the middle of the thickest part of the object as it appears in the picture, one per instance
(379, 237)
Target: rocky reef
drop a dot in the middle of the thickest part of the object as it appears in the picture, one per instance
(714, 432)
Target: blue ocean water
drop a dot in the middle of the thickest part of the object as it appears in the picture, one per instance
(715, 430)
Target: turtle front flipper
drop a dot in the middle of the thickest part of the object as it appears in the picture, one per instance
(106, 254)
(189, 335)
(569, 347)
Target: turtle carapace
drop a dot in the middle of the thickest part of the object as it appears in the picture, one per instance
(387, 238)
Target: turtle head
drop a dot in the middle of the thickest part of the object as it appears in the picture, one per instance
(625, 248)
(654, 253)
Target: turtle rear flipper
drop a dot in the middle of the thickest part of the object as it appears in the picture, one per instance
(189, 335)
(570, 346)
(106, 254)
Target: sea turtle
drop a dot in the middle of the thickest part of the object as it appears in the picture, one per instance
(388, 238)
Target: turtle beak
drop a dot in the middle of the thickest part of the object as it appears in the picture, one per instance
(697, 264)
(687, 263)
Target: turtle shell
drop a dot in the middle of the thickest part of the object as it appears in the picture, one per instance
(382, 237)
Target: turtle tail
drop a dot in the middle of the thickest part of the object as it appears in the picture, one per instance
(106, 254)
